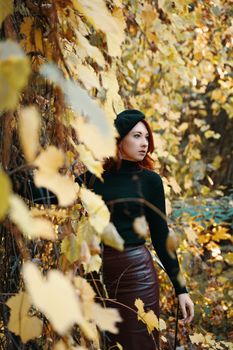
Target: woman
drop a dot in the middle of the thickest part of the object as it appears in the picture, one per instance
(131, 189)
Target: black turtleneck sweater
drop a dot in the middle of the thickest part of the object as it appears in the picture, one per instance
(132, 183)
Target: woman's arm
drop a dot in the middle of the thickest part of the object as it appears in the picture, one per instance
(159, 232)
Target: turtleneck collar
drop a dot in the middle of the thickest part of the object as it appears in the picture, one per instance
(129, 166)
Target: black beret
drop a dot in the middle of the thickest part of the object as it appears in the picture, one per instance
(126, 120)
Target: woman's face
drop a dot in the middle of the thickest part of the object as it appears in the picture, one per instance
(134, 146)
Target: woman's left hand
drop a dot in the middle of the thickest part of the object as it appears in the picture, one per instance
(187, 307)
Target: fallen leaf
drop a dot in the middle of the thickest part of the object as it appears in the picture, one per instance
(197, 338)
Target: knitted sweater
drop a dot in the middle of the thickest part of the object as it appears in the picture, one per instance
(127, 192)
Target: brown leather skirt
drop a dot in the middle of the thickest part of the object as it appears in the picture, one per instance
(129, 275)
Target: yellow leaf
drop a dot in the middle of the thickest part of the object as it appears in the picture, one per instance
(98, 212)
(119, 346)
(162, 324)
(89, 134)
(30, 227)
(38, 40)
(174, 185)
(94, 264)
(85, 156)
(191, 234)
(86, 75)
(85, 255)
(60, 345)
(91, 124)
(26, 29)
(228, 257)
(112, 26)
(85, 50)
(172, 243)
(5, 186)
(197, 338)
(29, 127)
(217, 162)
(111, 237)
(220, 233)
(106, 318)
(163, 339)
(6, 9)
(181, 279)
(149, 318)
(49, 161)
(56, 298)
(14, 73)
(70, 247)
(86, 294)
(20, 322)
(140, 226)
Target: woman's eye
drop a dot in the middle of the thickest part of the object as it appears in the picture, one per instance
(137, 135)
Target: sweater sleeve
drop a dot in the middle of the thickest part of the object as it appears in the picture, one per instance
(159, 231)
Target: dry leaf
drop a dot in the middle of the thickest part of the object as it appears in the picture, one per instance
(87, 76)
(112, 26)
(95, 130)
(197, 338)
(93, 265)
(85, 255)
(30, 227)
(5, 186)
(29, 127)
(140, 226)
(88, 133)
(7, 7)
(171, 243)
(70, 247)
(98, 213)
(174, 185)
(85, 156)
(191, 234)
(162, 324)
(86, 294)
(49, 161)
(111, 237)
(106, 318)
(20, 323)
(85, 49)
(149, 318)
(14, 73)
(56, 298)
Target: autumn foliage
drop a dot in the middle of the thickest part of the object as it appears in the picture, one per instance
(66, 68)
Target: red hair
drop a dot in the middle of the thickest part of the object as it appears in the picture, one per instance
(146, 163)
